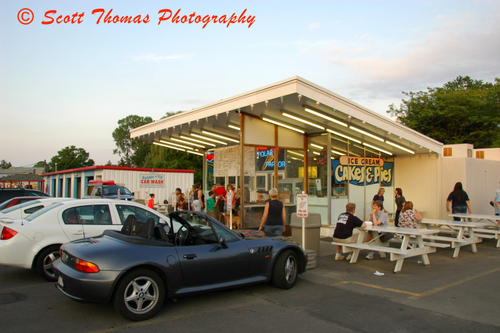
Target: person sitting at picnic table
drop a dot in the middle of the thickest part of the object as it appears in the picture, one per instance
(379, 218)
(409, 217)
(343, 233)
(459, 200)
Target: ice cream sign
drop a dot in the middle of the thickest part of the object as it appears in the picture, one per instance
(361, 170)
(152, 180)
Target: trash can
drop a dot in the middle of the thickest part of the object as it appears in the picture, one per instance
(312, 230)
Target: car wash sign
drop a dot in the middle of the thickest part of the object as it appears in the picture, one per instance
(152, 180)
(362, 170)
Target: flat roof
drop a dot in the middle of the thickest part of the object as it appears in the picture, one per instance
(108, 167)
(290, 96)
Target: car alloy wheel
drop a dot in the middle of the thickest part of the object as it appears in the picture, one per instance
(45, 262)
(139, 295)
(285, 270)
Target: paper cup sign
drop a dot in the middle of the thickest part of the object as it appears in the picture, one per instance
(302, 205)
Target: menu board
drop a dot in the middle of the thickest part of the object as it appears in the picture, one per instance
(227, 161)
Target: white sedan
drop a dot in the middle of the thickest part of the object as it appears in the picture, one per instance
(27, 208)
(34, 242)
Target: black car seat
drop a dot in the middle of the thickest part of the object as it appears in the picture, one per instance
(148, 229)
(160, 233)
(128, 225)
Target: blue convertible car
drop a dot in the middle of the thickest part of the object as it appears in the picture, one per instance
(137, 267)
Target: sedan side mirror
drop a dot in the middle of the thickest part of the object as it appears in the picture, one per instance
(222, 241)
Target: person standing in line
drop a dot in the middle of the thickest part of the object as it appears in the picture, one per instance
(237, 199)
(497, 203)
(196, 198)
(344, 229)
(274, 217)
(181, 200)
(409, 217)
(400, 200)
(459, 201)
(379, 197)
(211, 205)
(216, 197)
(221, 192)
(202, 197)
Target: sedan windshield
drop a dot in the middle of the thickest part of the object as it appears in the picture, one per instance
(42, 211)
(113, 190)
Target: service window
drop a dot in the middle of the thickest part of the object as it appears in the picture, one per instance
(93, 214)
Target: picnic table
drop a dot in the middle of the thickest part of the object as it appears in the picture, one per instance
(406, 250)
(465, 233)
(491, 230)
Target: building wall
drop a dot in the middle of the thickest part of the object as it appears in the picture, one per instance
(131, 180)
(419, 176)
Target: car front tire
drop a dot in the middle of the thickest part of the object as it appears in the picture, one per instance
(45, 262)
(139, 295)
(285, 270)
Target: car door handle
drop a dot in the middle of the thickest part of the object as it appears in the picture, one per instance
(79, 232)
(190, 256)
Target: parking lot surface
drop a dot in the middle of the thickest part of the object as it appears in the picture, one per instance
(459, 295)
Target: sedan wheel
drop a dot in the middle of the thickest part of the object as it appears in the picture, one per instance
(285, 270)
(45, 262)
(139, 295)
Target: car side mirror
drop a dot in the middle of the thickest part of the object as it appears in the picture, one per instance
(222, 241)
(133, 193)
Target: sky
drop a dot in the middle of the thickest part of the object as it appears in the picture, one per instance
(69, 84)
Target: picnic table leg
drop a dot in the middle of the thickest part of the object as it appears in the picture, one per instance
(471, 236)
(378, 243)
(354, 256)
(399, 265)
(425, 257)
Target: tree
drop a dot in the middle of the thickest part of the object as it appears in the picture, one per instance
(42, 164)
(70, 158)
(132, 153)
(170, 113)
(462, 111)
(165, 158)
(5, 165)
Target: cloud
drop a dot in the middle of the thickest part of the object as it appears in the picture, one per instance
(313, 26)
(154, 57)
(468, 44)
(336, 49)
(442, 17)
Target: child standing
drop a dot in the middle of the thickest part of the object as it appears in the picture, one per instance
(211, 205)
(151, 202)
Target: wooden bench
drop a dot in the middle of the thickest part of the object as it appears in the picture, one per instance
(488, 234)
(414, 242)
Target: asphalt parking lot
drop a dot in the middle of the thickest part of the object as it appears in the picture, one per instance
(459, 295)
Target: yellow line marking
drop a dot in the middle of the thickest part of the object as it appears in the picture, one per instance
(340, 283)
(170, 318)
(438, 289)
(386, 289)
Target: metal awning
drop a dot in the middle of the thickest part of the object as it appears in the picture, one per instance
(294, 103)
